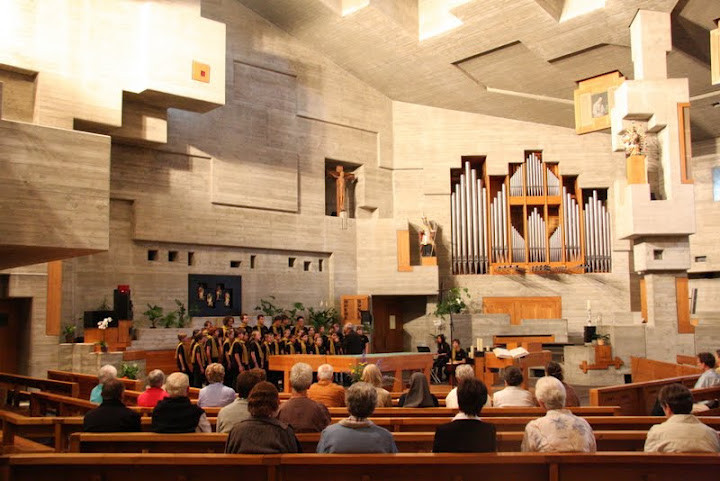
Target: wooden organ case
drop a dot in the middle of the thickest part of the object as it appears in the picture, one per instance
(533, 220)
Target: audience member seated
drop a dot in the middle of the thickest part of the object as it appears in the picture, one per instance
(176, 414)
(111, 416)
(555, 370)
(513, 395)
(467, 433)
(464, 371)
(709, 377)
(215, 394)
(237, 411)
(419, 395)
(261, 433)
(301, 412)
(559, 430)
(357, 434)
(325, 391)
(105, 373)
(154, 392)
(372, 375)
(682, 432)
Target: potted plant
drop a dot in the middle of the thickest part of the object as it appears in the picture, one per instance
(129, 370)
(322, 317)
(102, 325)
(601, 339)
(154, 314)
(69, 332)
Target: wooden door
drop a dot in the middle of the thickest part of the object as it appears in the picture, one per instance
(387, 324)
(13, 314)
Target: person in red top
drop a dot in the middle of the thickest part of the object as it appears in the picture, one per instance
(154, 392)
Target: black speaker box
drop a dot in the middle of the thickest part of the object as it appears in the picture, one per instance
(122, 305)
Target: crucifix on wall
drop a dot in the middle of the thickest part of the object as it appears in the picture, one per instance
(341, 179)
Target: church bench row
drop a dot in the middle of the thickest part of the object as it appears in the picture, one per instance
(638, 399)
(360, 467)
(14, 387)
(43, 403)
(88, 381)
(420, 442)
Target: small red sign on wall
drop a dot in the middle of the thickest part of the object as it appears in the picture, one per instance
(200, 71)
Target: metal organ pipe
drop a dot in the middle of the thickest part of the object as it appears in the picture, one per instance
(474, 221)
(469, 216)
(597, 235)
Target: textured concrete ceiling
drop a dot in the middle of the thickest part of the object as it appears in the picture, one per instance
(508, 58)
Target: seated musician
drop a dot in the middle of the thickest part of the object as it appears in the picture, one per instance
(176, 414)
(463, 371)
(261, 433)
(467, 433)
(371, 374)
(107, 372)
(215, 394)
(237, 411)
(111, 416)
(325, 391)
(682, 432)
(513, 395)
(419, 395)
(441, 358)
(301, 412)
(555, 370)
(559, 430)
(457, 356)
(357, 433)
(154, 392)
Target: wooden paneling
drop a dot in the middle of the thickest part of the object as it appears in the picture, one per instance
(351, 307)
(643, 301)
(520, 308)
(644, 370)
(403, 251)
(689, 360)
(54, 298)
(683, 306)
(685, 142)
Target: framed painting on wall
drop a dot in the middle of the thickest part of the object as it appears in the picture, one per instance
(594, 101)
(215, 296)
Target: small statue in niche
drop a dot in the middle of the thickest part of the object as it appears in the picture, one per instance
(341, 179)
(427, 237)
(634, 141)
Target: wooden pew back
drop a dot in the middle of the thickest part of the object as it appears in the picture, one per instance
(13, 387)
(400, 467)
(486, 412)
(635, 399)
(88, 381)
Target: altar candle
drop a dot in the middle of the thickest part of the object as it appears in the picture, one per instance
(479, 343)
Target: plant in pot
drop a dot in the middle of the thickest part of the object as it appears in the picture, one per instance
(322, 317)
(103, 325)
(68, 331)
(601, 339)
(154, 314)
(129, 370)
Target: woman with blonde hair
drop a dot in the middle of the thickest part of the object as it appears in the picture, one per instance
(372, 375)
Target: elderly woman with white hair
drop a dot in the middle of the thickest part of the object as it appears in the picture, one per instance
(325, 391)
(301, 412)
(215, 394)
(176, 414)
(154, 392)
(107, 372)
(463, 371)
(559, 430)
(357, 434)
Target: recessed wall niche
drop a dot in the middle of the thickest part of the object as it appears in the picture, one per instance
(340, 181)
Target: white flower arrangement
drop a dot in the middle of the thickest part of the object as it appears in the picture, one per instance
(104, 323)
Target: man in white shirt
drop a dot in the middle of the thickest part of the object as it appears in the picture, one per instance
(682, 432)
(709, 377)
(513, 395)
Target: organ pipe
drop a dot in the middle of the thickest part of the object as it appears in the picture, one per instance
(598, 244)
(469, 217)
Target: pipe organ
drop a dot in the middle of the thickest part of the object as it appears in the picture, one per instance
(532, 220)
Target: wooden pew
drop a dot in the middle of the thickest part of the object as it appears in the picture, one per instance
(643, 369)
(420, 442)
(584, 411)
(400, 467)
(635, 399)
(88, 381)
(13, 387)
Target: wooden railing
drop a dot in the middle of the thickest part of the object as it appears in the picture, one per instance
(400, 467)
(88, 381)
(14, 387)
(638, 398)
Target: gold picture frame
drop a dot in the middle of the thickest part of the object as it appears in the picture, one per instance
(594, 100)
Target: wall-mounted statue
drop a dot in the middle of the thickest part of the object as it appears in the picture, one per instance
(427, 238)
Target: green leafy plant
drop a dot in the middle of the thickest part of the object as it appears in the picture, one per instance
(169, 319)
(181, 313)
(154, 314)
(452, 302)
(322, 317)
(605, 338)
(356, 371)
(296, 310)
(68, 331)
(129, 370)
(268, 307)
